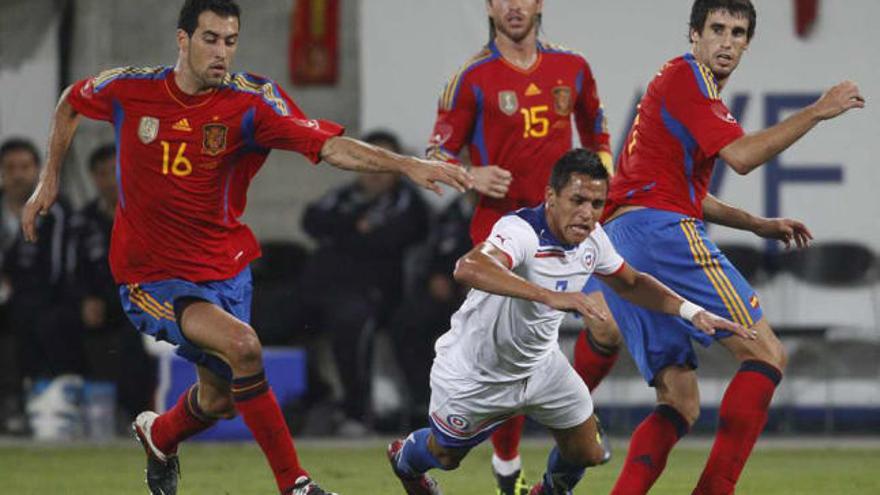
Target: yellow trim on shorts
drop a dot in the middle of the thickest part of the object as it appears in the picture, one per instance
(148, 304)
(716, 275)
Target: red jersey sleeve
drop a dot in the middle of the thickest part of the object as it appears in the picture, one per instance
(93, 97)
(456, 111)
(589, 113)
(279, 123)
(692, 98)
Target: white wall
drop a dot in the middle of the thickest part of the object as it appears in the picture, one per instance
(37, 77)
(409, 49)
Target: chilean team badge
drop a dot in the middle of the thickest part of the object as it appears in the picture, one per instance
(214, 139)
(507, 102)
(148, 129)
(589, 260)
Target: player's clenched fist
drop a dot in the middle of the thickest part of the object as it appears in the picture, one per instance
(39, 203)
(492, 180)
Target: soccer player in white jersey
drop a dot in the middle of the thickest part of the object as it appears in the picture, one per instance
(500, 357)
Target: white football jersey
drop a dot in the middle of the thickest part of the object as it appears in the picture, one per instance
(499, 338)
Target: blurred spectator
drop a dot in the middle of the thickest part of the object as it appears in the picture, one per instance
(353, 280)
(114, 350)
(425, 312)
(35, 280)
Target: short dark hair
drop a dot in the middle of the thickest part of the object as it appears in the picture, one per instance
(192, 9)
(383, 136)
(100, 154)
(576, 161)
(702, 8)
(19, 144)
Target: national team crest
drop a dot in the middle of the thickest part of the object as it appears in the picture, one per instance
(507, 102)
(589, 260)
(148, 129)
(214, 139)
(562, 100)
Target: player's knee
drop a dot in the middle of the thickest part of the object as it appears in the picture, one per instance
(779, 355)
(606, 333)
(588, 455)
(245, 349)
(449, 459)
(689, 409)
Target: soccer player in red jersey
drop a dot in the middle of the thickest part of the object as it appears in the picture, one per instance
(654, 217)
(516, 105)
(189, 140)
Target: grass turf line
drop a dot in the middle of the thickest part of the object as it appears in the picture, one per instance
(362, 469)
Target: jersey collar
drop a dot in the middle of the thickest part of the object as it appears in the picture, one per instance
(184, 99)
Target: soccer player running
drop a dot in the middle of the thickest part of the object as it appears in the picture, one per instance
(512, 105)
(500, 358)
(189, 140)
(655, 212)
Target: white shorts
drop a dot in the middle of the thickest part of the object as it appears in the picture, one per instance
(464, 412)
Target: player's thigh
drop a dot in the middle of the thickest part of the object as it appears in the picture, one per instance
(766, 347)
(580, 444)
(463, 412)
(556, 397)
(218, 332)
(676, 386)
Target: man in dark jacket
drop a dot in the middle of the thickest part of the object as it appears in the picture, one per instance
(354, 279)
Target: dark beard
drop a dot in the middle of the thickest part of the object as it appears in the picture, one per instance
(532, 23)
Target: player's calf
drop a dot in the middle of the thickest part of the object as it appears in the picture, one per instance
(219, 406)
(410, 459)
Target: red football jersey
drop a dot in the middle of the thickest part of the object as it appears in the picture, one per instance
(670, 151)
(520, 120)
(184, 164)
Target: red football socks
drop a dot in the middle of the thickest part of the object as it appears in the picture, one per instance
(648, 450)
(592, 361)
(506, 438)
(256, 404)
(180, 422)
(741, 419)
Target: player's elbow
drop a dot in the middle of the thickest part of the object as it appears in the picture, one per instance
(465, 271)
(64, 107)
(739, 167)
(736, 158)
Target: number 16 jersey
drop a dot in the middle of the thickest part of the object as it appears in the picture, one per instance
(184, 163)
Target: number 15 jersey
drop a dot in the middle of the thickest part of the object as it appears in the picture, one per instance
(184, 163)
(520, 120)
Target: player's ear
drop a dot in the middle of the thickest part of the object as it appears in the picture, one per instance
(182, 40)
(549, 196)
(694, 35)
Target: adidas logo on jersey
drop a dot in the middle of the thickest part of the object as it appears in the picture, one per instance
(182, 125)
(532, 90)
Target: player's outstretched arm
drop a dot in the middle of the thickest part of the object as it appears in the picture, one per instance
(782, 229)
(61, 130)
(487, 268)
(648, 292)
(752, 150)
(351, 154)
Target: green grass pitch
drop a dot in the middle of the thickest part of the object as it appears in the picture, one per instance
(360, 468)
